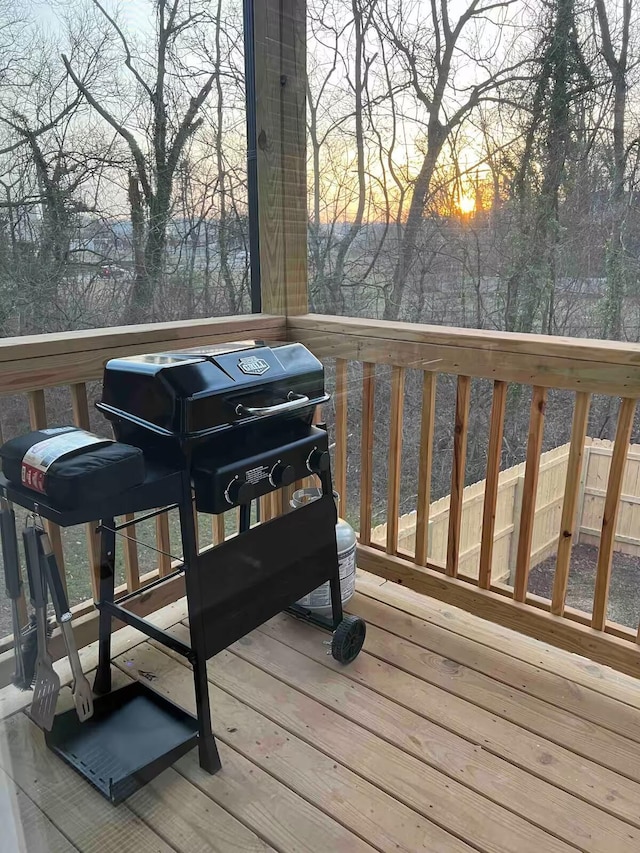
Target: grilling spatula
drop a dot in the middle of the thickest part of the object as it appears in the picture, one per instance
(47, 681)
(81, 690)
(13, 582)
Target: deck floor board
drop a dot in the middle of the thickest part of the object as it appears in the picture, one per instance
(447, 735)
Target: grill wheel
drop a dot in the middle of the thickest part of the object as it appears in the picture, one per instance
(348, 639)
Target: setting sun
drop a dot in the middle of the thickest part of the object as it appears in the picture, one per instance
(466, 203)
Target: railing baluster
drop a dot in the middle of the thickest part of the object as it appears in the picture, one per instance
(38, 420)
(341, 433)
(494, 458)
(395, 458)
(217, 528)
(266, 508)
(610, 514)
(461, 428)
(130, 550)
(80, 408)
(529, 490)
(570, 502)
(163, 544)
(366, 451)
(424, 467)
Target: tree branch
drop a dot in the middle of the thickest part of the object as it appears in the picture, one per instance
(187, 125)
(129, 138)
(128, 58)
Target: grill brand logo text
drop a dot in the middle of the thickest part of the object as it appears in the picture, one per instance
(253, 366)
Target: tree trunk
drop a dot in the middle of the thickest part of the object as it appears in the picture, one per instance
(409, 247)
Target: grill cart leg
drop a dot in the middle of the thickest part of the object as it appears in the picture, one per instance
(102, 683)
(207, 749)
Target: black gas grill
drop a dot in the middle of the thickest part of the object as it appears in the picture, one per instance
(228, 424)
(238, 416)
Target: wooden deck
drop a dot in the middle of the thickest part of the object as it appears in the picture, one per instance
(447, 734)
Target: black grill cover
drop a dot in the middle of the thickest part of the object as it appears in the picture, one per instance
(78, 477)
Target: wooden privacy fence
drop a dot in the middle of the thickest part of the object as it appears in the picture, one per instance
(546, 527)
(547, 516)
(597, 462)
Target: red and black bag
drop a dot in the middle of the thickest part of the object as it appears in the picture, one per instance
(71, 466)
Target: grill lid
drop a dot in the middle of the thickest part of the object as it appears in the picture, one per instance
(192, 392)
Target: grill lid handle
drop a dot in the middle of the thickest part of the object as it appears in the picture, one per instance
(294, 401)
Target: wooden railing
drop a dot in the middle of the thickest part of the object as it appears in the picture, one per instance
(29, 365)
(581, 366)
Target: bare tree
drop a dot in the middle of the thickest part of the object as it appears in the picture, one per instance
(162, 83)
(618, 62)
(430, 56)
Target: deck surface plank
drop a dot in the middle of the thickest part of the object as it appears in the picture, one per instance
(581, 670)
(24, 827)
(344, 795)
(456, 747)
(450, 804)
(436, 658)
(501, 666)
(91, 823)
(446, 735)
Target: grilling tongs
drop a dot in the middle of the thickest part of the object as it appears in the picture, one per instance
(81, 689)
(13, 583)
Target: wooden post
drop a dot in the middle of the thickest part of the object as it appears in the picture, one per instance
(341, 433)
(280, 68)
(80, 407)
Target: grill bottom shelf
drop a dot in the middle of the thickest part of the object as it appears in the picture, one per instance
(133, 736)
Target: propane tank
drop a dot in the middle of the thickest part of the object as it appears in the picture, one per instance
(319, 601)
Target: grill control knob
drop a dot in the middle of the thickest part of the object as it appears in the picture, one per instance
(282, 474)
(318, 461)
(239, 491)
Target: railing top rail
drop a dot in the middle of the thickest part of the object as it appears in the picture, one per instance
(40, 361)
(589, 349)
(607, 367)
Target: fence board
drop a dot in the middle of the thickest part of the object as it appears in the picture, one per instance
(80, 408)
(130, 550)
